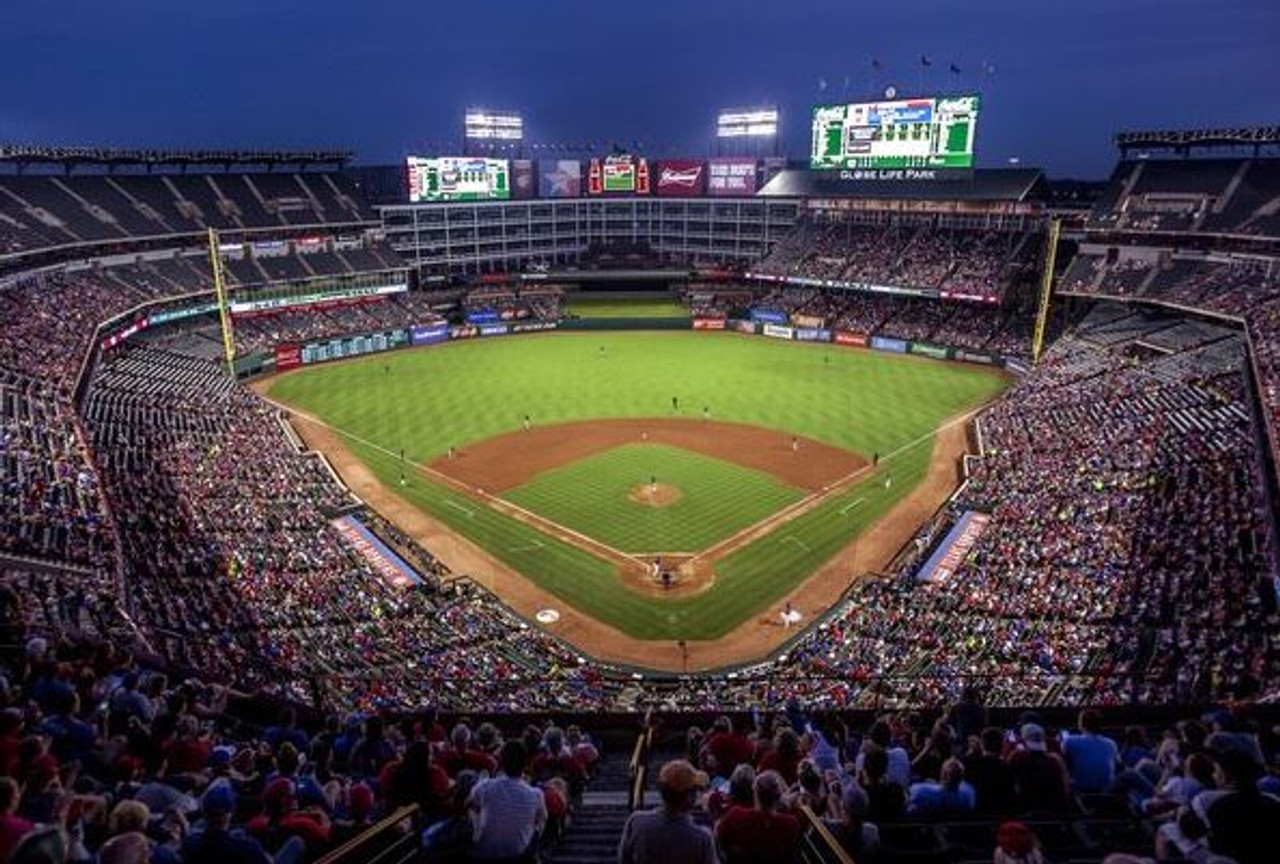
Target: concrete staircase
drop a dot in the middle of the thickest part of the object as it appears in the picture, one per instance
(594, 834)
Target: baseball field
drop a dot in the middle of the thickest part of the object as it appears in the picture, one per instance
(588, 463)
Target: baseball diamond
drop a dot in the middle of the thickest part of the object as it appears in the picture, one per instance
(530, 448)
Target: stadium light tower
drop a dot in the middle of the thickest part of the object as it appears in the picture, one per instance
(486, 131)
(747, 129)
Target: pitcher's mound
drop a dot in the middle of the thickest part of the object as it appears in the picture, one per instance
(655, 494)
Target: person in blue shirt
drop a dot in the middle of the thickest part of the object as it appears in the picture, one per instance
(1091, 757)
(951, 796)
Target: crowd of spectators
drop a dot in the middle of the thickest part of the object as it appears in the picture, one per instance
(105, 758)
(954, 785)
(973, 262)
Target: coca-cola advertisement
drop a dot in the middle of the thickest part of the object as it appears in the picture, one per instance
(681, 178)
(731, 176)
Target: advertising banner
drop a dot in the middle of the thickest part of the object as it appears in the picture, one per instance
(428, 334)
(749, 327)
(1016, 366)
(353, 346)
(768, 316)
(288, 357)
(708, 324)
(974, 357)
(731, 177)
(121, 335)
(774, 331)
(533, 327)
(681, 178)
(844, 337)
(376, 554)
(811, 321)
(559, 178)
(954, 548)
(493, 330)
(523, 185)
(482, 316)
(810, 334)
(467, 332)
(897, 346)
(935, 351)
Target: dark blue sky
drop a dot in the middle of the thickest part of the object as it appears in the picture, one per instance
(384, 76)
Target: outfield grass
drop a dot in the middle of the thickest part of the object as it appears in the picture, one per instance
(591, 497)
(603, 307)
(469, 391)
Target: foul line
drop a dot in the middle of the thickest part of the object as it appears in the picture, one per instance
(500, 505)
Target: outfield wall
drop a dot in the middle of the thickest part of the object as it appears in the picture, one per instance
(294, 355)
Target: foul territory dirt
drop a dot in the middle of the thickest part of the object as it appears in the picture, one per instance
(748, 641)
(507, 461)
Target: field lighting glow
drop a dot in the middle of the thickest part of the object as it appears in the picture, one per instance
(747, 123)
(494, 125)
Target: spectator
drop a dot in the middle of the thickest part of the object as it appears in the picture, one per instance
(760, 835)
(1091, 757)
(12, 827)
(667, 835)
(951, 796)
(1243, 822)
(1039, 777)
(217, 843)
(857, 836)
(991, 777)
(509, 814)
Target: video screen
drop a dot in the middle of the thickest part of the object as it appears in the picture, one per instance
(458, 178)
(618, 175)
(906, 133)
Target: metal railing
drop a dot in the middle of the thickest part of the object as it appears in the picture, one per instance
(394, 840)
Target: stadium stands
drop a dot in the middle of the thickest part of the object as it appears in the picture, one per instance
(44, 211)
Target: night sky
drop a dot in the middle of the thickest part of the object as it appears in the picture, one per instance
(385, 77)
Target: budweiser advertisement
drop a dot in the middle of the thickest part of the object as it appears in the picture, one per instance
(731, 176)
(681, 178)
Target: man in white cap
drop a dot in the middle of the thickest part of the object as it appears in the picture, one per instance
(667, 835)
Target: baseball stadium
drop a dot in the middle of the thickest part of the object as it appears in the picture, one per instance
(526, 498)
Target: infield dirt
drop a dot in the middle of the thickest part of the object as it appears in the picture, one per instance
(511, 460)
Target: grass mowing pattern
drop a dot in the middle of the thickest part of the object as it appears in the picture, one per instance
(590, 496)
(603, 307)
(462, 392)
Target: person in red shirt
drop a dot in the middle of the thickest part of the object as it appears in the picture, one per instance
(725, 748)
(760, 834)
(282, 820)
(415, 779)
(187, 752)
(12, 828)
(784, 757)
(556, 761)
(461, 756)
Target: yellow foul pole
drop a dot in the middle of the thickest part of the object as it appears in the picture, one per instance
(224, 314)
(1046, 290)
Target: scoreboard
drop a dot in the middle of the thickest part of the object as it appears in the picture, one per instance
(449, 178)
(930, 133)
(618, 174)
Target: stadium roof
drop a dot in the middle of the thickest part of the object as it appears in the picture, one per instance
(31, 154)
(985, 184)
(1181, 139)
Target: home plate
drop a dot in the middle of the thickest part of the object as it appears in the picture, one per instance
(547, 616)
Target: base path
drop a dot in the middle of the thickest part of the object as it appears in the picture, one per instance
(510, 460)
(749, 641)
